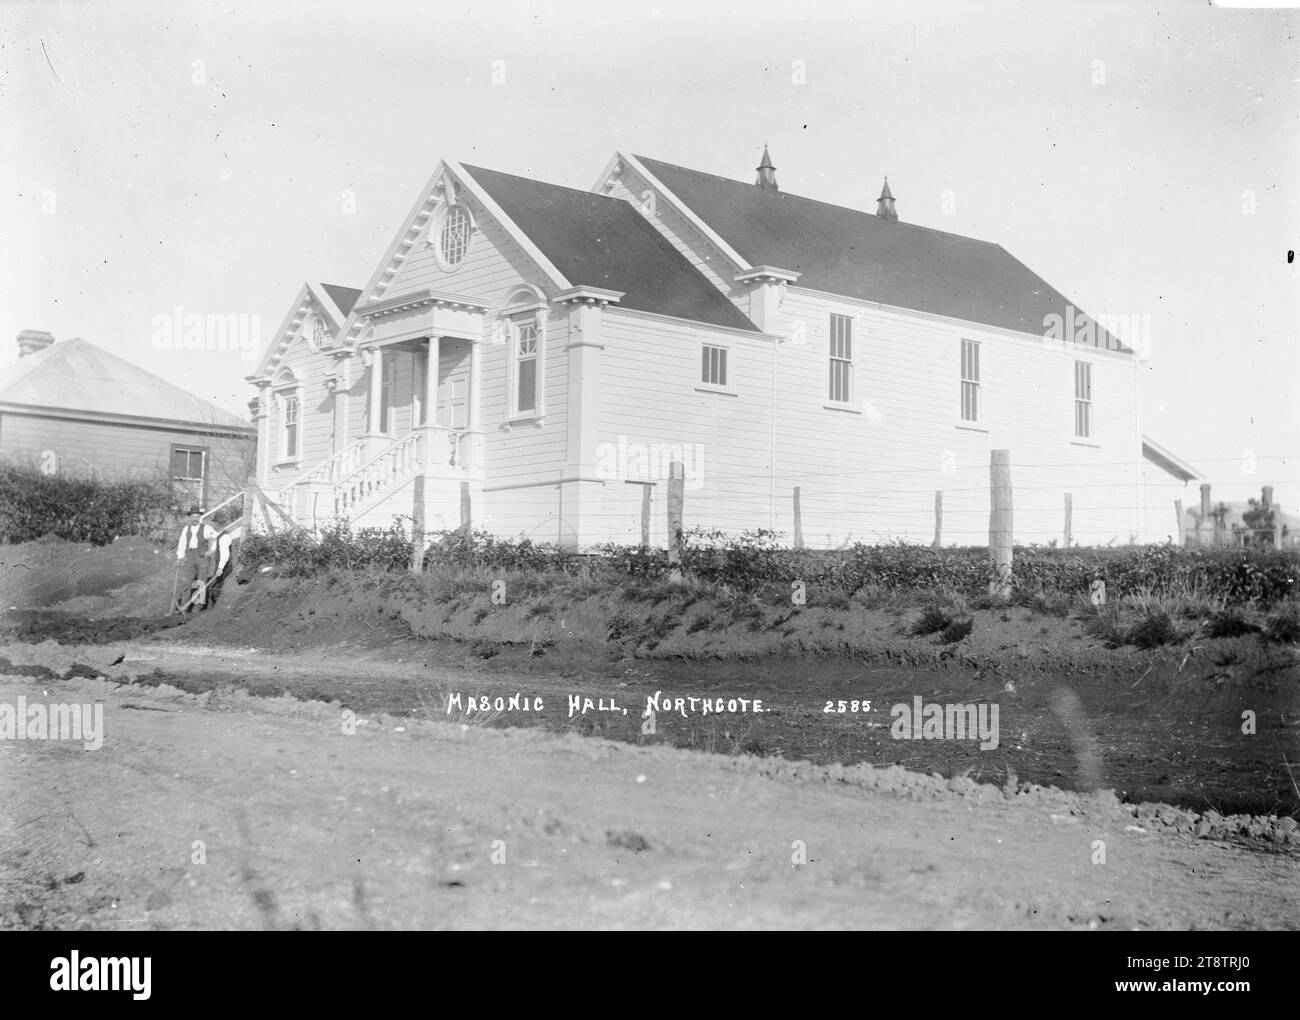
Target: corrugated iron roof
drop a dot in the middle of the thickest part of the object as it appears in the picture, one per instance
(598, 241)
(75, 375)
(859, 255)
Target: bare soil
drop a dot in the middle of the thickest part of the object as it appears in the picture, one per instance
(1194, 793)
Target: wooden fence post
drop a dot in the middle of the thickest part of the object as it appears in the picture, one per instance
(1205, 513)
(1000, 522)
(1069, 519)
(798, 521)
(417, 526)
(938, 517)
(676, 501)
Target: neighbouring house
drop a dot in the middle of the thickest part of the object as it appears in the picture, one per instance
(531, 359)
(75, 408)
(1258, 522)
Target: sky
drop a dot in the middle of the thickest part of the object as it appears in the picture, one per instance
(211, 157)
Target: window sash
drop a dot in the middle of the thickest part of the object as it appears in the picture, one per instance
(527, 350)
(713, 369)
(970, 380)
(840, 388)
(1083, 399)
(290, 427)
(187, 465)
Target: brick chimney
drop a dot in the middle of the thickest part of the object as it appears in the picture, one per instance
(32, 340)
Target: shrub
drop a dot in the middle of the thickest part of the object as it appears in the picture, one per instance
(1154, 627)
(1284, 625)
(1229, 622)
(958, 629)
(79, 509)
(934, 618)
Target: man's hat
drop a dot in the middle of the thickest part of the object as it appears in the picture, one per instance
(195, 510)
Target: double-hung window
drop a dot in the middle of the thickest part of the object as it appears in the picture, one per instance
(970, 381)
(841, 359)
(289, 426)
(1083, 399)
(527, 350)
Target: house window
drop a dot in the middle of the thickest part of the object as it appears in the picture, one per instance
(1083, 399)
(188, 475)
(970, 381)
(453, 238)
(387, 388)
(526, 350)
(713, 371)
(841, 363)
(289, 426)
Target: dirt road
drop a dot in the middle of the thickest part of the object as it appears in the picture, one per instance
(249, 813)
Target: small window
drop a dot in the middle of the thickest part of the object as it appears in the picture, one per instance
(713, 371)
(841, 361)
(526, 349)
(453, 239)
(289, 432)
(188, 475)
(1083, 399)
(970, 381)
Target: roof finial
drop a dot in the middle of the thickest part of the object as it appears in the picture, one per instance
(885, 204)
(766, 180)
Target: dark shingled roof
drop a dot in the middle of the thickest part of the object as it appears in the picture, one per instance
(344, 297)
(859, 255)
(598, 241)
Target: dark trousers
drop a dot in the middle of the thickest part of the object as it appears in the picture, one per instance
(196, 566)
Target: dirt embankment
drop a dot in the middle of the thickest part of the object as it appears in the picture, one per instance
(1209, 726)
(255, 813)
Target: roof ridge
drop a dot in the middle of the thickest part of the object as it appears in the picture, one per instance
(818, 201)
(550, 184)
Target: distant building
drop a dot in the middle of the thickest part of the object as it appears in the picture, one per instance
(1256, 522)
(71, 407)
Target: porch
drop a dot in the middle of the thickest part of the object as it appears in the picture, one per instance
(421, 454)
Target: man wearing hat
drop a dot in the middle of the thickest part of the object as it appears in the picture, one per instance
(194, 556)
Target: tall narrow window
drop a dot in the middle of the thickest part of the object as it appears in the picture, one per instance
(713, 370)
(387, 390)
(970, 381)
(841, 362)
(289, 445)
(1083, 399)
(526, 349)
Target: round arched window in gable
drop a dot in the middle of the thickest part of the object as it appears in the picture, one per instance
(453, 237)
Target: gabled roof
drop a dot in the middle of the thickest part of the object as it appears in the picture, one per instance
(75, 375)
(857, 254)
(329, 298)
(598, 241)
(344, 297)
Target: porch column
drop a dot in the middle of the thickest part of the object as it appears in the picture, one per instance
(471, 412)
(431, 380)
(374, 397)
